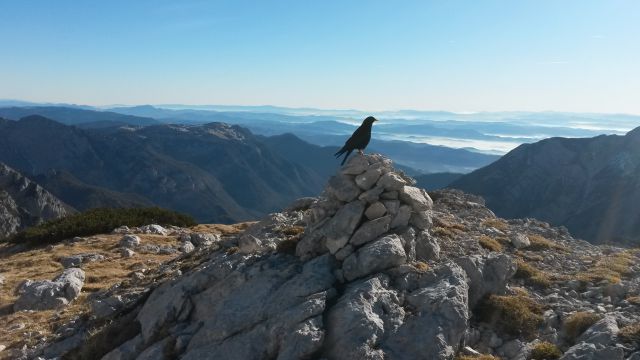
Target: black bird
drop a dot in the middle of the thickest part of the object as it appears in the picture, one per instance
(359, 140)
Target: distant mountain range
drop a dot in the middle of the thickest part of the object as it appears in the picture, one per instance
(590, 185)
(77, 116)
(318, 130)
(24, 203)
(215, 172)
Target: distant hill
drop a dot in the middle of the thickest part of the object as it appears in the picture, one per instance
(590, 185)
(215, 172)
(24, 203)
(437, 181)
(76, 116)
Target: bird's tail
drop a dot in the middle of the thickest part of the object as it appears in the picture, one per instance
(346, 156)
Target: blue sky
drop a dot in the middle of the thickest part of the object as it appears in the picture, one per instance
(563, 55)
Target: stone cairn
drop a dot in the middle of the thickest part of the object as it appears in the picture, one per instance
(369, 209)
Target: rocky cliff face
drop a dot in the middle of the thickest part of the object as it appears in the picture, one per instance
(373, 268)
(24, 203)
(589, 185)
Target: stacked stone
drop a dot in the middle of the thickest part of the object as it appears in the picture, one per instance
(370, 217)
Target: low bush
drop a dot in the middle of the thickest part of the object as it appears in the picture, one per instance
(630, 333)
(610, 268)
(421, 266)
(635, 300)
(532, 275)
(443, 232)
(540, 243)
(496, 223)
(98, 221)
(513, 314)
(489, 243)
(545, 351)
(576, 323)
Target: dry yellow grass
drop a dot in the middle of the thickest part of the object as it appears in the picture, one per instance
(449, 224)
(540, 243)
(635, 300)
(292, 230)
(576, 323)
(421, 266)
(532, 275)
(489, 243)
(477, 357)
(443, 232)
(630, 333)
(497, 223)
(40, 263)
(610, 268)
(529, 256)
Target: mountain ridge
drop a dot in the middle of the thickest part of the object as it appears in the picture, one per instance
(160, 162)
(589, 185)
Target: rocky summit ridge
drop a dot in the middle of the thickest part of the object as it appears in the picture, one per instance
(375, 268)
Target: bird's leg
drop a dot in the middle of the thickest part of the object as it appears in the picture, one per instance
(360, 152)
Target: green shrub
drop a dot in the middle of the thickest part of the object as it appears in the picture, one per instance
(99, 221)
(545, 351)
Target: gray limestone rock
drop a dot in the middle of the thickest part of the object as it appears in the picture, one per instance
(370, 230)
(46, 294)
(402, 217)
(186, 247)
(427, 248)
(375, 210)
(375, 256)
(417, 198)
(245, 308)
(372, 195)
(204, 239)
(369, 178)
(343, 188)
(487, 274)
(369, 320)
(130, 241)
(79, 259)
(602, 333)
(127, 253)
(421, 219)
(391, 182)
(340, 227)
(588, 351)
(356, 165)
(520, 241)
